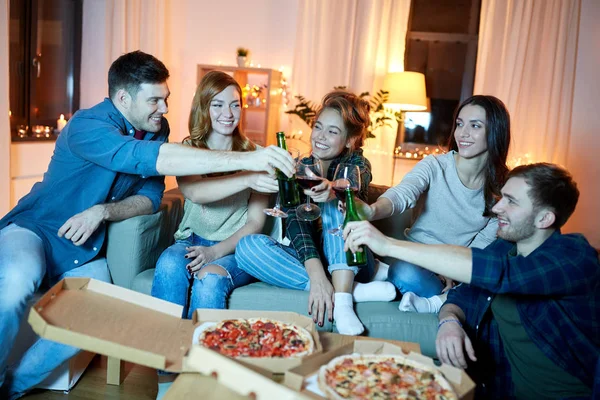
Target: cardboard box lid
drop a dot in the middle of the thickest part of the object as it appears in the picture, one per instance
(294, 378)
(251, 382)
(113, 321)
(131, 326)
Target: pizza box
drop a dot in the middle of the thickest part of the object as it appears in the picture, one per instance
(302, 378)
(120, 323)
(238, 381)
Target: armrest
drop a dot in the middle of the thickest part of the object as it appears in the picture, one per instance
(134, 245)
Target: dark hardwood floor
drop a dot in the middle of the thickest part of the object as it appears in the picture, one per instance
(139, 384)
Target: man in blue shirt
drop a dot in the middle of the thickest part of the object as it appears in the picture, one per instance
(528, 319)
(108, 165)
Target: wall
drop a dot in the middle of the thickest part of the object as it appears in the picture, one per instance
(584, 148)
(198, 32)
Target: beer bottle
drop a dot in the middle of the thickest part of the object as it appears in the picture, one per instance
(358, 258)
(289, 196)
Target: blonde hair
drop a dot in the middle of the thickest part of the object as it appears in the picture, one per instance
(199, 124)
(354, 112)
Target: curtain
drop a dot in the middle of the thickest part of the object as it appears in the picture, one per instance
(526, 57)
(351, 43)
(115, 27)
(4, 118)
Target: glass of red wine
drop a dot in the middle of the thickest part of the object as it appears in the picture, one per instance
(309, 171)
(346, 176)
(276, 211)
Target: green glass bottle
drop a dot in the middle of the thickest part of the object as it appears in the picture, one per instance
(358, 258)
(289, 196)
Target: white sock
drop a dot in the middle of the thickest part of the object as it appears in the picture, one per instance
(413, 303)
(381, 271)
(373, 291)
(163, 387)
(346, 321)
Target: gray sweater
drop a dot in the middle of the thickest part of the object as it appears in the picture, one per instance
(450, 213)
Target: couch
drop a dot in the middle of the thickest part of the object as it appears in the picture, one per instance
(134, 245)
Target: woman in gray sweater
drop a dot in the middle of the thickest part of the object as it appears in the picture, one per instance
(452, 194)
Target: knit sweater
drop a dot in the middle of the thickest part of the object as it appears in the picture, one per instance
(450, 213)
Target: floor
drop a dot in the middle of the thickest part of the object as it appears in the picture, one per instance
(139, 384)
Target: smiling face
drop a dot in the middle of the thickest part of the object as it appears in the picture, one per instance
(148, 106)
(225, 111)
(470, 132)
(329, 136)
(516, 212)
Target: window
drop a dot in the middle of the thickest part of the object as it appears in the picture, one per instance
(44, 62)
(442, 44)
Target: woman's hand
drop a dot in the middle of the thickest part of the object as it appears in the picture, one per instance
(200, 256)
(448, 283)
(365, 211)
(361, 233)
(320, 300)
(321, 193)
(262, 182)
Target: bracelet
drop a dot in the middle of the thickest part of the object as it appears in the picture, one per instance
(449, 320)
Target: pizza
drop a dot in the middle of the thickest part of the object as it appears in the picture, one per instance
(362, 377)
(255, 337)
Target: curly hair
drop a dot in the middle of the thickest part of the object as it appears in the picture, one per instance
(199, 123)
(354, 112)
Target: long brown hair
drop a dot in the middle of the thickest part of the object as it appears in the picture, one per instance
(497, 131)
(354, 112)
(199, 124)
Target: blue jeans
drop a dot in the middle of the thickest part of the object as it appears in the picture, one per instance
(409, 277)
(269, 261)
(22, 270)
(172, 282)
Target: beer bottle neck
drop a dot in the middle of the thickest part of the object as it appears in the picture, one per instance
(351, 214)
(281, 141)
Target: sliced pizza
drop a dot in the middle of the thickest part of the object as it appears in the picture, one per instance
(362, 377)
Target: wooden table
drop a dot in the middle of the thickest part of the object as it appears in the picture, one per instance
(190, 385)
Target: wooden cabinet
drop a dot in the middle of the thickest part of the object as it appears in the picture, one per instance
(260, 116)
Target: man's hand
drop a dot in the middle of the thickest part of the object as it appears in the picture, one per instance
(320, 300)
(200, 256)
(321, 193)
(363, 233)
(268, 159)
(80, 227)
(262, 182)
(451, 343)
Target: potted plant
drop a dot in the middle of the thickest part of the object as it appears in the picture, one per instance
(242, 57)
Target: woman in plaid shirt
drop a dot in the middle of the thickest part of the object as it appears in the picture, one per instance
(337, 137)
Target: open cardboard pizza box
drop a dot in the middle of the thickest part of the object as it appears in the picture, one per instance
(118, 322)
(303, 378)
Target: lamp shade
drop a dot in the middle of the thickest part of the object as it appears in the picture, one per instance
(407, 90)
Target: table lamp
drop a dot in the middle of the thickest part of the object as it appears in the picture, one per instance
(407, 93)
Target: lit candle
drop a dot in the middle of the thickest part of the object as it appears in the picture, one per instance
(61, 122)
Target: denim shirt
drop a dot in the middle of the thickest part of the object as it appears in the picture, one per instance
(96, 160)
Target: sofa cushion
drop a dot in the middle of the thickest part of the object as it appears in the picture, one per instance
(385, 321)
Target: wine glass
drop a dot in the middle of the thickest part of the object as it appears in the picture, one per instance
(346, 176)
(276, 211)
(308, 174)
